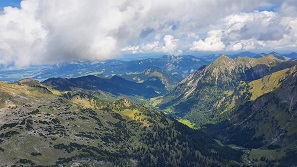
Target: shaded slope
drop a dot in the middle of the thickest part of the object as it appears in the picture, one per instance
(116, 85)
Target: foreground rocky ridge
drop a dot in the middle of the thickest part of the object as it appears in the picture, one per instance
(40, 128)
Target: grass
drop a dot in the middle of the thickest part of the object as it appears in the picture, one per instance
(89, 103)
(156, 101)
(187, 122)
(267, 60)
(259, 157)
(169, 111)
(135, 114)
(22, 90)
(228, 92)
(267, 84)
(268, 154)
(55, 92)
(130, 113)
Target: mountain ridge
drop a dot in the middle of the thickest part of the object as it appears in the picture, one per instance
(223, 83)
(268, 122)
(115, 85)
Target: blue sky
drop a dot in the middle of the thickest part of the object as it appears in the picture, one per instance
(43, 31)
(12, 3)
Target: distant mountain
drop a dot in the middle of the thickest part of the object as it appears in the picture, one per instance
(211, 92)
(181, 65)
(243, 54)
(211, 58)
(275, 54)
(292, 55)
(11, 75)
(44, 129)
(82, 68)
(115, 85)
(156, 77)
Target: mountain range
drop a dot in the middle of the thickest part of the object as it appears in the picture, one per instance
(180, 66)
(236, 110)
(218, 87)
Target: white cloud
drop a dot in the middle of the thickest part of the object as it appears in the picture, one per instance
(234, 46)
(130, 48)
(170, 44)
(213, 42)
(21, 36)
(151, 47)
(44, 31)
(248, 31)
(193, 35)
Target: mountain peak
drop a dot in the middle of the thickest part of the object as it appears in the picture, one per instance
(29, 82)
(222, 61)
(223, 58)
(274, 53)
(168, 56)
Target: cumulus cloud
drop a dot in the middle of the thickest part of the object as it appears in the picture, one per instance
(213, 42)
(21, 36)
(249, 31)
(168, 46)
(45, 31)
